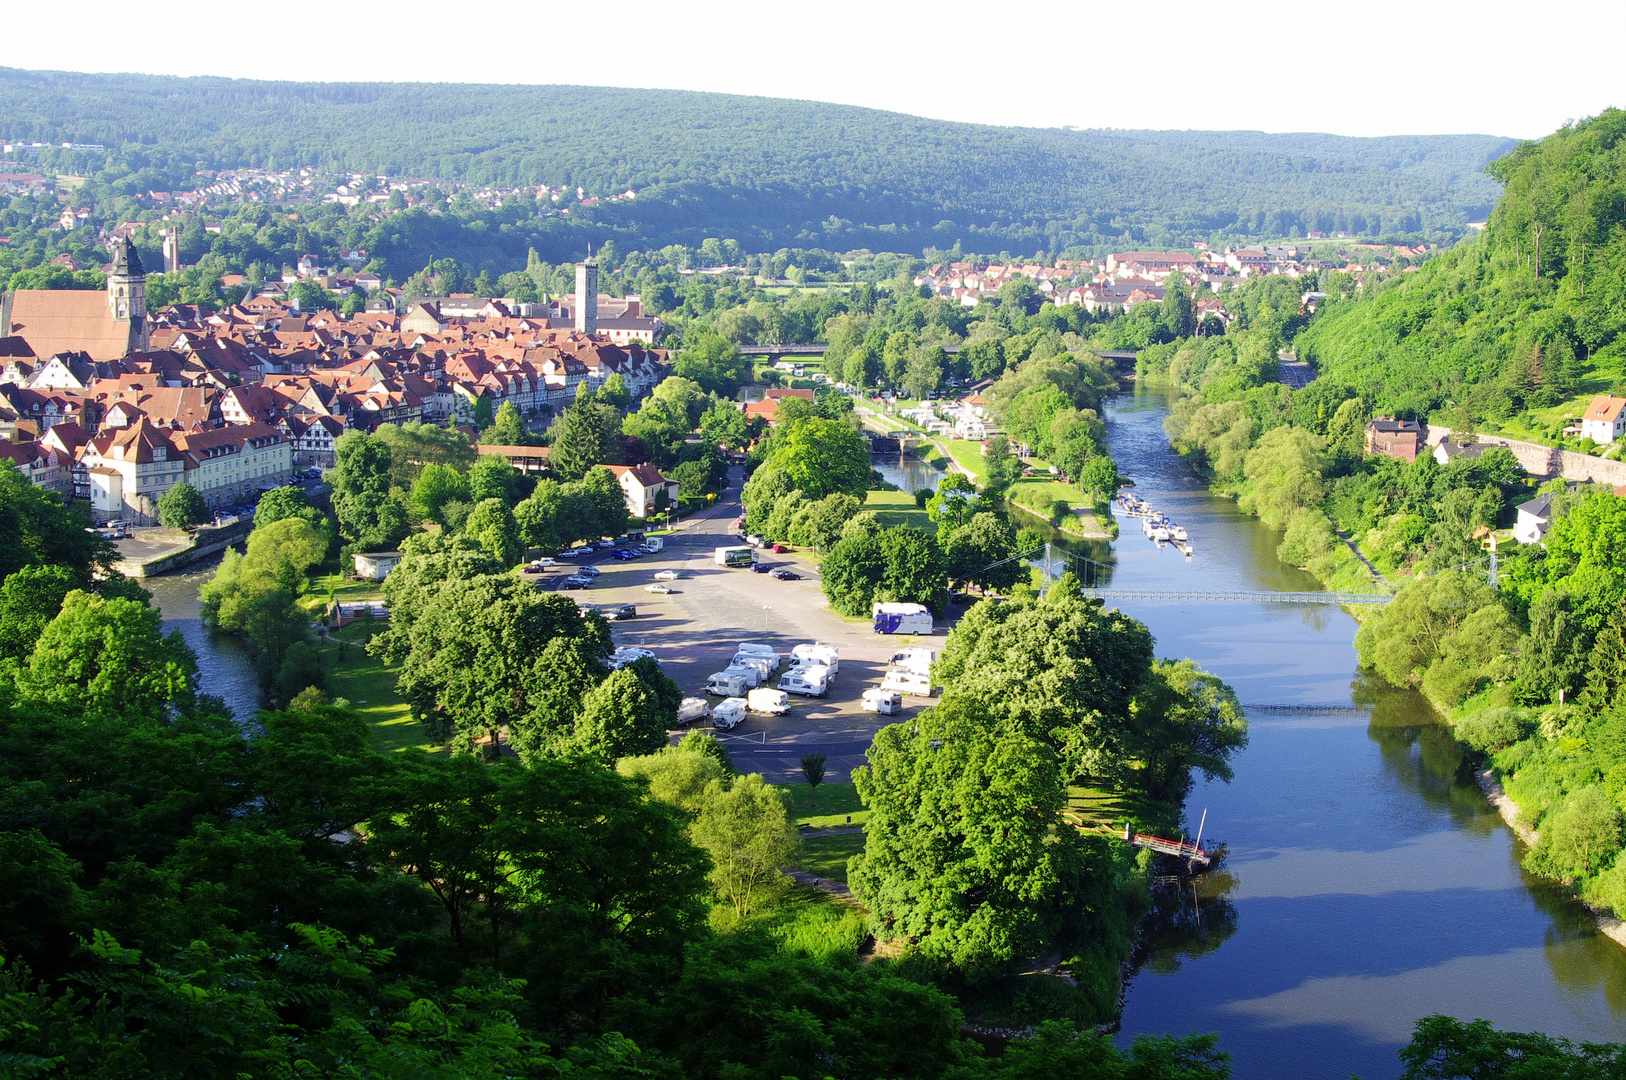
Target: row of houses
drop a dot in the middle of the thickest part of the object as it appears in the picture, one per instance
(103, 401)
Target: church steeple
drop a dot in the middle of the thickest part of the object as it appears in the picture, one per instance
(587, 295)
(127, 291)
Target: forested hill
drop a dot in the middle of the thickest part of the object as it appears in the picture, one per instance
(769, 171)
(1522, 326)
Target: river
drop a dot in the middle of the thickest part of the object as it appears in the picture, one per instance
(1368, 882)
(224, 666)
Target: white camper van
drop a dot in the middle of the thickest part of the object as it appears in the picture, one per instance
(726, 715)
(823, 655)
(762, 662)
(764, 700)
(908, 682)
(885, 702)
(915, 659)
(726, 684)
(812, 680)
(753, 676)
(692, 709)
(757, 648)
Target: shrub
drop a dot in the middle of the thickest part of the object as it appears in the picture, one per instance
(1578, 838)
(1493, 729)
(922, 497)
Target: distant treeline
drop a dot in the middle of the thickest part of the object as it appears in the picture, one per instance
(767, 172)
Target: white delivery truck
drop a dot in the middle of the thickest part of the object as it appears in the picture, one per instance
(902, 619)
(726, 715)
(724, 684)
(908, 682)
(734, 556)
(885, 702)
(692, 709)
(818, 653)
(915, 659)
(811, 680)
(765, 700)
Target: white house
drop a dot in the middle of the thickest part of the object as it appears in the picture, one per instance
(129, 468)
(376, 565)
(642, 485)
(1605, 419)
(227, 465)
(1534, 517)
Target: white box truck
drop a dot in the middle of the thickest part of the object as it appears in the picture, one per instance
(885, 702)
(902, 619)
(765, 700)
(726, 716)
(812, 680)
(908, 682)
(823, 655)
(724, 684)
(692, 709)
(734, 556)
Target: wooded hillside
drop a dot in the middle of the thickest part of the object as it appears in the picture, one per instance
(771, 172)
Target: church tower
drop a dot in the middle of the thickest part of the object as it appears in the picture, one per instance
(127, 292)
(587, 296)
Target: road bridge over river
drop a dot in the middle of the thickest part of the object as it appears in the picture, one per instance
(1219, 596)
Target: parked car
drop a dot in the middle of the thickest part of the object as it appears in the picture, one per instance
(787, 575)
(604, 545)
(667, 575)
(544, 562)
(760, 568)
(658, 587)
(622, 611)
(576, 582)
(780, 549)
(589, 571)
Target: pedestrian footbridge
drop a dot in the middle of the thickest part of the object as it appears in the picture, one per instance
(1218, 596)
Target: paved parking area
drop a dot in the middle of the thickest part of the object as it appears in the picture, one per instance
(694, 631)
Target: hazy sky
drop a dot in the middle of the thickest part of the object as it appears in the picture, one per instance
(1353, 67)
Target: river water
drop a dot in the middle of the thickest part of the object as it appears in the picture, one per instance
(1368, 882)
(224, 667)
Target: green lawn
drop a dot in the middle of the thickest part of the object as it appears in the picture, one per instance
(898, 508)
(969, 456)
(369, 686)
(827, 856)
(834, 804)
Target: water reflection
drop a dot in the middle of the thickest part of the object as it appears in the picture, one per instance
(1368, 882)
(224, 667)
(906, 472)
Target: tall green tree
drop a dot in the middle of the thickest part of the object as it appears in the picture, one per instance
(181, 507)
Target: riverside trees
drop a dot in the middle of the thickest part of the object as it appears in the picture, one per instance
(967, 849)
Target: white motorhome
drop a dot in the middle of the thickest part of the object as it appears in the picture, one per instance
(692, 709)
(625, 655)
(908, 682)
(726, 715)
(724, 684)
(653, 544)
(812, 680)
(823, 655)
(753, 676)
(902, 619)
(767, 662)
(885, 702)
(758, 648)
(765, 700)
(915, 659)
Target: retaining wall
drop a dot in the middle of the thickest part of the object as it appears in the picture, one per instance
(1549, 461)
(208, 540)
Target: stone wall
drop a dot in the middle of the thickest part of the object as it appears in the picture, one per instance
(1548, 461)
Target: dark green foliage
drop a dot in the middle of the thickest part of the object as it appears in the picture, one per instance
(1444, 1048)
(1506, 323)
(759, 169)
(36, 529)
(181, 507)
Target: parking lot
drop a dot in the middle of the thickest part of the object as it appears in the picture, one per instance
(694, 630)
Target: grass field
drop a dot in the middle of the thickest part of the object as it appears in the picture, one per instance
(369, 686)
(898, 508)
(827, 856)
(968, 455)
(834, 805)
